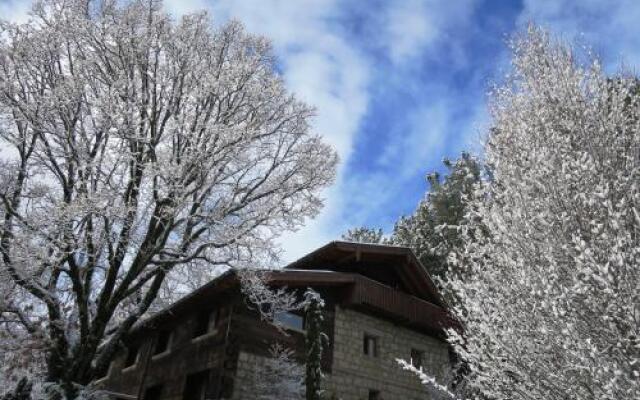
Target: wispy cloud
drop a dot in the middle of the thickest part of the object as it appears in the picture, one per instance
(610, 28)
(400, 85)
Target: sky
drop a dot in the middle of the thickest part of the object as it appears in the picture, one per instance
(401, 84)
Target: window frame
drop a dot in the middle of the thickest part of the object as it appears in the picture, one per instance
(127, 367)
(366, 339)
(107, 375)
(167, 348)
(203, 378)
(159, 387)
(303, 321)
(421, 356)
(213, 317)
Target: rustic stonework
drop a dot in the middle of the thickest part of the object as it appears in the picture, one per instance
(353, 372)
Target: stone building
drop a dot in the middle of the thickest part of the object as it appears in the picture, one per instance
(380, 305)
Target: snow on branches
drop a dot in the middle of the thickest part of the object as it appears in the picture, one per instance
(137, 149)
(550, 297)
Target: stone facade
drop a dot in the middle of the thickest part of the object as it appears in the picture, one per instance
(353, 373)
(380, 305)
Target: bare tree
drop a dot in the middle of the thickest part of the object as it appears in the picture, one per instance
(136, 148)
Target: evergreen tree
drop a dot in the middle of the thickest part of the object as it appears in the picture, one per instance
(433, 230)
(364, 235)
(314, 343)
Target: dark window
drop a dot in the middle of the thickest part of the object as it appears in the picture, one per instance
(104, 373)
(162, 342)
(132, 356)
(417, 358)
(205, 322)
(195, 387)
(374, 395)
(290, 320)
(370, 345)
(153, 392)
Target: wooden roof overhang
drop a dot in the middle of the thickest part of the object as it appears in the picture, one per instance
(343, 265)
(359, 257)
(371, 296)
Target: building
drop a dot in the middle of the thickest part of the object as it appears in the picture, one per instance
(380, 305)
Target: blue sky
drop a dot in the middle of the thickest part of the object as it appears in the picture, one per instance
(401, 84)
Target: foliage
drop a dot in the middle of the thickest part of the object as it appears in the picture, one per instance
(138, 150)
(364, 235)
(281, 377)
(22, 391)
(433, 230)
(551, 299)
(314, 342)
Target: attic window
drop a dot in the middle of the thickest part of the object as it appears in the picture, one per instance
(205, 322)
(132, 357)
(162, 342)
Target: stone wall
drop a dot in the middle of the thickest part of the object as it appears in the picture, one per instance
(354, 373)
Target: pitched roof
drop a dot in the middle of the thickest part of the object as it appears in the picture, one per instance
(367, 269)
(375, 261)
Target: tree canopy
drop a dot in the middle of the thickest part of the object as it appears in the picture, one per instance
(550, 297)
(139, 149)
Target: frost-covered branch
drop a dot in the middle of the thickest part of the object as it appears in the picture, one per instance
(142, 153)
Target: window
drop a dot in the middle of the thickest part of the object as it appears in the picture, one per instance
(417, 358)
(153, 392)
(105, 373)
(162, 342)
(370, 345)
(290, 320)
(205, 322)
(132, 356)
(196, 385)
(374, 395)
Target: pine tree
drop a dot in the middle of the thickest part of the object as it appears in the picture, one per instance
(433, 230)
(315, 340)
(364, 234)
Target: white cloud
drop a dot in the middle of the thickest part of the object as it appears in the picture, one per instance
(15, 10)
(412, 27)
(321, 68)
(328, 70)
(409, 28)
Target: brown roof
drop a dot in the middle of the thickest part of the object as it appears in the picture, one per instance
(346, 265)
(358, 257)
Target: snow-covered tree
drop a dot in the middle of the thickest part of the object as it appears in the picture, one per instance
(364, 235)
(551, 308)
(314, 342)
(281, 377)
(433, 230)
(136, 149)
